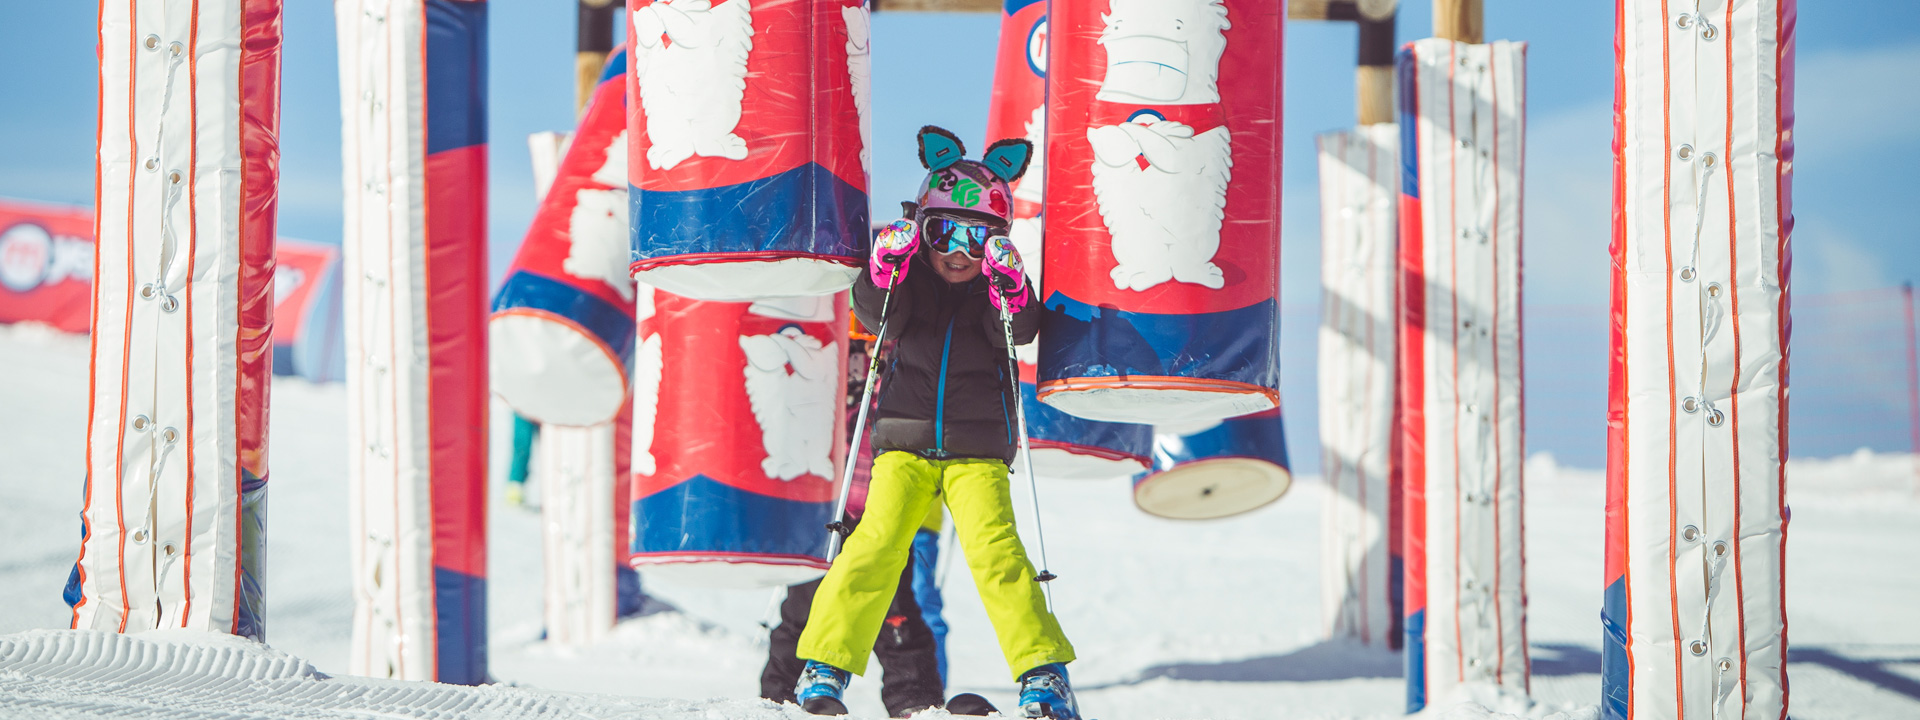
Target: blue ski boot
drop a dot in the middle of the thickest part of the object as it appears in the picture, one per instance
(1044, 693)
(821, 687)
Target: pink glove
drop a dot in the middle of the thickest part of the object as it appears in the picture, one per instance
(893, 252)
(1006, 273)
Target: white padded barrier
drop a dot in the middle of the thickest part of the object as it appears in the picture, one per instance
(412, 88)
(189, 120)
(1463, 111)
(1359, 262)
(577, 509)
(1697, 437)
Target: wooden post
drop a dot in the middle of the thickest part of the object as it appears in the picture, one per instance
(594, 42)
(1373, 80)
(1460, 20)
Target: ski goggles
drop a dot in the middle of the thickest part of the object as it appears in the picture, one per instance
(948, 235)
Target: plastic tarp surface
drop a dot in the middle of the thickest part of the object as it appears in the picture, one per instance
(562, 322)
(749, 154)
(413, 97)
(1463, 136)
(177, 428)
(1694, 609)
(739, 435)
(1063, 446)
(1359, 266)
(1162, 209)
(1217, 469)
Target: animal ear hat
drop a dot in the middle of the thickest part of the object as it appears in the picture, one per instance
(977, 188)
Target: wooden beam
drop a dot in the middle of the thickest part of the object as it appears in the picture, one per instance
(992, 6)
(1373, 94)
(1460, 20)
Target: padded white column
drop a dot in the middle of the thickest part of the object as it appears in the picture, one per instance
(577, 479)
(1463, 112)
(183, 290)
(1696, 506)
(1359, 222)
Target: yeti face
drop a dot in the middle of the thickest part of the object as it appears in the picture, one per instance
(1164, 51)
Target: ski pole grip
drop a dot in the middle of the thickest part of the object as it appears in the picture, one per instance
(841, 527)
(1045, 576)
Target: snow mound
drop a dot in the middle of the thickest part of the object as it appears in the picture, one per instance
(183, 674)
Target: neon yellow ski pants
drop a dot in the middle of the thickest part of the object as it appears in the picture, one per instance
(852, 601)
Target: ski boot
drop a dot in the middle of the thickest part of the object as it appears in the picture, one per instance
(821, 687)
(1044, 693)
(970, 705)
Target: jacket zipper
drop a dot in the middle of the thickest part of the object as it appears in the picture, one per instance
(940, 403)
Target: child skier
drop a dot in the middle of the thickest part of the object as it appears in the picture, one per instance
(944, 430)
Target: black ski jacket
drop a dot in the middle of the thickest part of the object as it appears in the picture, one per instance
(946, 391)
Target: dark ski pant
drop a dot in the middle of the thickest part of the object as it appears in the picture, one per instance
(910, 674)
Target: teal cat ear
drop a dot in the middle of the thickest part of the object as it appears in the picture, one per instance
(939, 148)
(1008, 158)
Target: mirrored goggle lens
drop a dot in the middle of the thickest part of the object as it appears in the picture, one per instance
(949, 236)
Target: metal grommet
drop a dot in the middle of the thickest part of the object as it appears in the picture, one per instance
(1473, 409)
(1715, 417)
(1713, 290)
(1467, 584)
(1465, 143)
(1683, 22)
(170, 303)
(1709, 159)
(146, 291)
(1686, 274)
(153, 41)
(1725, 665)
(140, 422)
(1690, 533)
(1473, 662)
(169, 435)
(1699, 647)
(1691, 405)
(168, 548)
(1708, 31)
(1719, 548)
(173, 176)
(139, 536)
(1685, 152)
(153, 163)
(174, 48)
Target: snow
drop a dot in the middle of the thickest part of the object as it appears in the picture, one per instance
(1172, 620)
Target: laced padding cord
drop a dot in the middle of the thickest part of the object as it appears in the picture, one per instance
(381, 584)
(1478, 594)
(161, 288)
(1710, 312)
(169, 438)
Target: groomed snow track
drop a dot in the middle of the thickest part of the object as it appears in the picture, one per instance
(188, 674)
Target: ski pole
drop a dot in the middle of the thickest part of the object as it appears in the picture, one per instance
(839, 529)
(1026, 453)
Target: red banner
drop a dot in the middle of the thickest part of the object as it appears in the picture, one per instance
(46, 264)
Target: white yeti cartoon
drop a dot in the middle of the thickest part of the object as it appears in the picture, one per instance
(790, 378)
(691, 60)
(1161, 188)
(860, 73)
(597, 229)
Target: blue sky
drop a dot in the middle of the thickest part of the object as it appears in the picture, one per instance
(1858, 138)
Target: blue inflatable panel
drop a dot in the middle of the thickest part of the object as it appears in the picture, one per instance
(701, 520)
(460, 615)
(613, 326)
(806, 212)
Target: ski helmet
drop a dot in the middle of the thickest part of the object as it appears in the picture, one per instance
(959, 187)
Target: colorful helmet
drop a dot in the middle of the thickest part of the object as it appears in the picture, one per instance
(956, 186)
